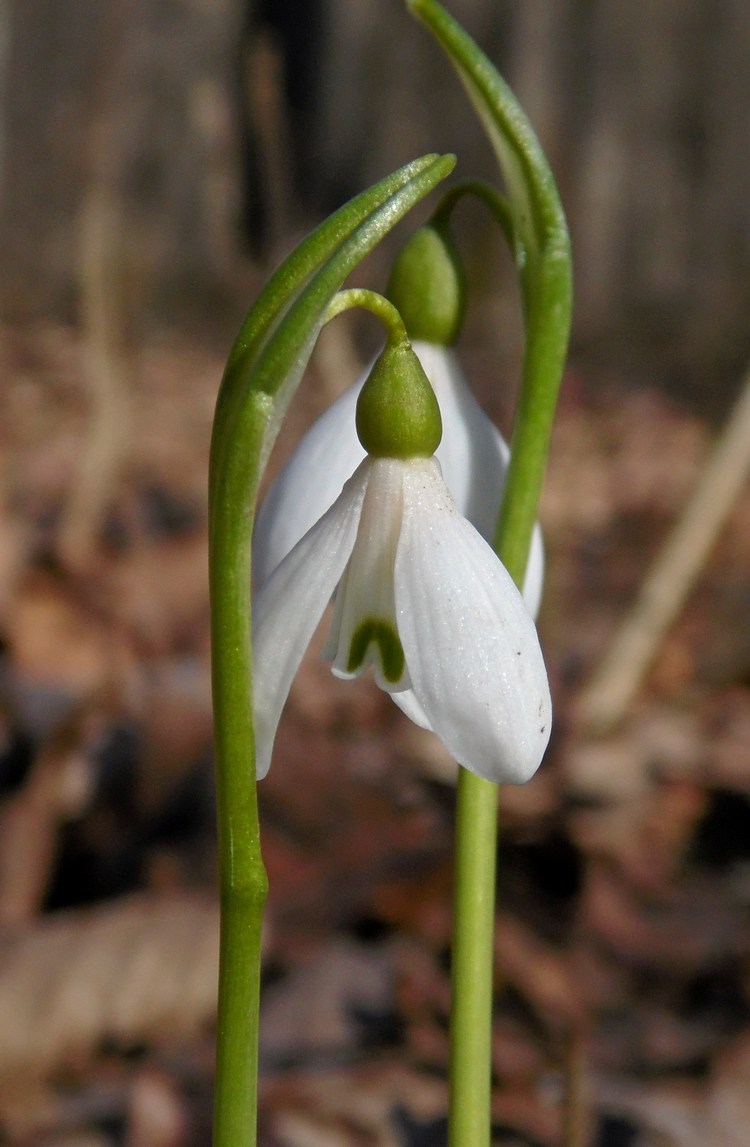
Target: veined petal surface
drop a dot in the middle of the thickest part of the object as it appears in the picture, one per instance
(474, 458)
(308, 484)
(471, 646)
(290, 604)
(472, 454)
(365, 629)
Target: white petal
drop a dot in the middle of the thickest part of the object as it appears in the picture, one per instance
(474, 458)
(533, 583)
(471, 646)
(309, 484)
(473, 454)
(365, 630)
(288, 608)
(409, 705)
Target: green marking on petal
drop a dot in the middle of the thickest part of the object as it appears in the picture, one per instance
(382, 633)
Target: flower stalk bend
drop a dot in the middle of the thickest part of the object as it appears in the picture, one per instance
(536, 228)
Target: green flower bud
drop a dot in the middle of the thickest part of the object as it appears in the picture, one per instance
(427, 286)
(397, 413)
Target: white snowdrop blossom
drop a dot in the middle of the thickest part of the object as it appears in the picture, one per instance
(420, 597)
(472, 453)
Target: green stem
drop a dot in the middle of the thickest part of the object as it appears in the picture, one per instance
(472, 962)
(243, 882)
(498, 205)
(376, 304)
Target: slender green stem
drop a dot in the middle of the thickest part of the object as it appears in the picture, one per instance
(472, 962)
(242, 874)
(376, 304)
(489, 195)
(534, 223)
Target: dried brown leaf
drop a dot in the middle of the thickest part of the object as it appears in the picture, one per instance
(143, 968)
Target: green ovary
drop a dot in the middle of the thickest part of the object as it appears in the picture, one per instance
(381, 633)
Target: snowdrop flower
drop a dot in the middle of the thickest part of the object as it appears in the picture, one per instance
(427, 287)
(419, 595)
(472, 453)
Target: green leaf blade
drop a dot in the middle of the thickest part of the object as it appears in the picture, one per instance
(274, 344)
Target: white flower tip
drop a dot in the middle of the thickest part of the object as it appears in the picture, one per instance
(471, 647)
(519, 751)
(262, 761)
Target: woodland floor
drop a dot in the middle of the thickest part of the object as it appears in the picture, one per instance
(623, 927)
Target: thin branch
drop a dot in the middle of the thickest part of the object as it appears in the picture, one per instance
(107, 439)
(674, 573)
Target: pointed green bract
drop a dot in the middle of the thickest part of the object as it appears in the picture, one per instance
(538, 219)
(541, 249)
(274, 344)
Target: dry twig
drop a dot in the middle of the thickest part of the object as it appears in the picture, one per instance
(672, 576)
(102, 310)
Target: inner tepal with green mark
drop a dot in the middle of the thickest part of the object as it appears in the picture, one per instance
(379, 632)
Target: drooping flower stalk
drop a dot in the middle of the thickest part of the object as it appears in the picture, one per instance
(535, 226)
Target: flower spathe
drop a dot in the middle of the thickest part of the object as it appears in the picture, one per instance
(421, 598)
(472, 453)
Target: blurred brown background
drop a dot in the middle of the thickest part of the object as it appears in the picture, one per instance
(156, 159)
(206, 124)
